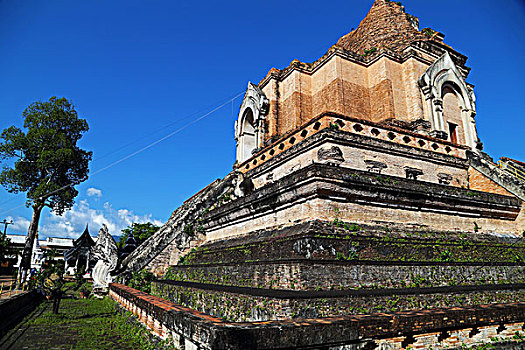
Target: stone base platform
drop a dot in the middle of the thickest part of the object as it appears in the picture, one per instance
(323, 269)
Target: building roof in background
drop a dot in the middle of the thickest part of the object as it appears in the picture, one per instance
(85, 239)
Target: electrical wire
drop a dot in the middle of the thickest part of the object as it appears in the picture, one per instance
(164, 127)
(185, 126)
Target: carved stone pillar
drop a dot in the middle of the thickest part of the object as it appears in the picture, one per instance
(439, 131)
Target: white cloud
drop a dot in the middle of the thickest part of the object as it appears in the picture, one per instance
(20, 225)
(94, 192)
(73, 222)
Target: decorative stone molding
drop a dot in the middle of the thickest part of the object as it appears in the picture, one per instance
(419, 125)
(444, 73)
(356, 127)
(438, 134)
(243, 185)
(250, 125)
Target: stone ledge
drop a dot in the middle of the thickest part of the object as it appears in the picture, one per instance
(16, 307)
(355, 186)
(354, 262)
(321, 126)
(314, 294)
(200, 330)
(315, 228)
(323, 241)
(338, 275)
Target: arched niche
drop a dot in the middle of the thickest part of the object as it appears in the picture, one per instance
(452, 114)
(247, 137)
(443, 88)
(250, 125)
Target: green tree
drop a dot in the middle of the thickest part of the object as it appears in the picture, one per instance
(45, 162)
(141, 232)
(5, 249)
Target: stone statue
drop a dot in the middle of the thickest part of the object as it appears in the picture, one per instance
(106, 254)
(331, 155)
(242, 185)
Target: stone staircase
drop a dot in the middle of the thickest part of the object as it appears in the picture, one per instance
(182, 232)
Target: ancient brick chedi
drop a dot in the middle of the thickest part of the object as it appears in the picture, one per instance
(384, 70)
(360, 196)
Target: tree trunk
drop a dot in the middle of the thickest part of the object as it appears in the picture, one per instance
(25, 263)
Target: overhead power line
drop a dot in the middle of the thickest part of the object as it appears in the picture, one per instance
(165, 137)
(185, 126)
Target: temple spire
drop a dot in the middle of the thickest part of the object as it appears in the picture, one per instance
(386, 26)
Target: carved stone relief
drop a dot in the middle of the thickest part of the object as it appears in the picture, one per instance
(105, 252)
(331, 155)
(242, 185)
(374, 166)
(413, 173)
(444, 179)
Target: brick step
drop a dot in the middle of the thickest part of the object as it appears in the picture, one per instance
(338, 240)
(343, 275)
(241, 304)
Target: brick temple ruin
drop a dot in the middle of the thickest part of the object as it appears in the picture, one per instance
(361, 212)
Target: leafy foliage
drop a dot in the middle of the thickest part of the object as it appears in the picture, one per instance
(141, 281)
(49, 267)
(141, 232)
(45, 162)
(46, 158)
(5, 249)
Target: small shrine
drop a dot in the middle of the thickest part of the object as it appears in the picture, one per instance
(78, 256)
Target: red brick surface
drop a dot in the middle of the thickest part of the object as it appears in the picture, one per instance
(385, 26)
(479, 182)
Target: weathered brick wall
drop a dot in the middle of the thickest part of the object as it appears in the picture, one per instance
(376, 92)
(341, 276)
(13, 309)
(412, 70)
(166, 258)
(479, 182)
(169, 256)
(247, 304)
(385, 26)
(354, 196)
(371, 73)
(329, 241)
(500, 324)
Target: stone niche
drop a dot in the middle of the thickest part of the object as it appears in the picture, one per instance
(249, 127)
(449, 103)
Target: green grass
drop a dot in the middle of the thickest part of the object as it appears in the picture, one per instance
(81, 324)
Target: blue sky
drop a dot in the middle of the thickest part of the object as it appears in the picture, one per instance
(139, 70)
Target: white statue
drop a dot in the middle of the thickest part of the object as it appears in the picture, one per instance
(106, 253)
